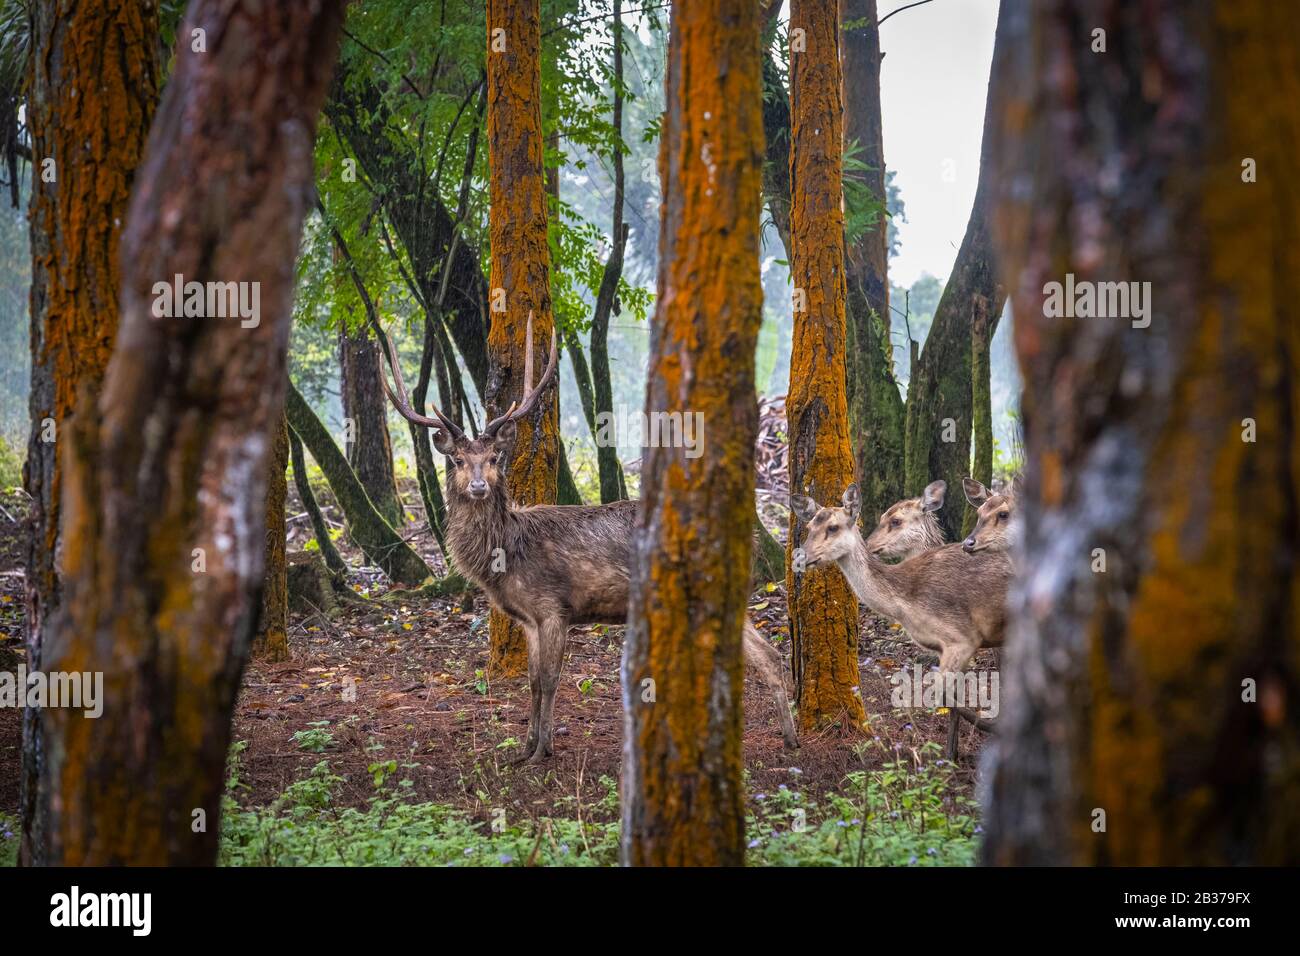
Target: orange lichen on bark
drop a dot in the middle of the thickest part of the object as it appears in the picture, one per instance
(1218, 603)
(1160, 690)
(823, 609)
(93, 86)
(520, 275)
(683, 796)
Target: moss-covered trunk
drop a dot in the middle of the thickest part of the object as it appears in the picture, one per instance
(333, 560)
(938, 427)
(382, 545)
(165, 480)
(93, 87)
(271, 641)
(876, 413)
(1162, 692)
(370, 452)
(683, 796)
(520, 280)
(823, 611)
(982, 329)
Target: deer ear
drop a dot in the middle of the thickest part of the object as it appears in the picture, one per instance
(852, 501)
(804, 507)
(505, 435)
(932, 497)
(443, 441)
(976, 493)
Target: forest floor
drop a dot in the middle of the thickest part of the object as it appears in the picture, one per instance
(398, 690)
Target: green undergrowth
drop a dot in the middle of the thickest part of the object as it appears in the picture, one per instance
(899, 815)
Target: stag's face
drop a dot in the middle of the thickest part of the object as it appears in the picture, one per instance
(832, 532)
(477, 464)
(909, 527)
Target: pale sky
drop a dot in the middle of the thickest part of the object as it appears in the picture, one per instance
(934, 77)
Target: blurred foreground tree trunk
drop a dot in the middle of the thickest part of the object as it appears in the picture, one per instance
(165, 476)
(683, 670)
(93, 87)
(1152, 709)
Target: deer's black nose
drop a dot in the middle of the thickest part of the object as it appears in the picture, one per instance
(477, 486)
(969, 544)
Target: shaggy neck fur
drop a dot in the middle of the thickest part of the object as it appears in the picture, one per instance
(475, 529)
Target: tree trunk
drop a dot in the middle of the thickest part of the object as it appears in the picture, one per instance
(823, 611)
(271, 641)
(776, 132)
(370, 453)
(382, 545)
(92, 93)
(983, 326)
(683, 795)
(1161, 691)
(165, 483)
(333, 560)
(876, 412)
(612, 485)
(520, 281)
(938, 428)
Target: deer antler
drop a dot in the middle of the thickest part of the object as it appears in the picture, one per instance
(532, 393)
(400, 401)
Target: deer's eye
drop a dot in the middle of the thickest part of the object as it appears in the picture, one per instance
(460, 462)
(1003, 515)
(831, 529)
(895, 522)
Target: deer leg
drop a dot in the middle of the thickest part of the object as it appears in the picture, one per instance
(765, 660)
(953, 660)
(551, 634)
(534, 691)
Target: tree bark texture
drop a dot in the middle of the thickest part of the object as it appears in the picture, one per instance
(823, 610)
(683, 796)
(93, 87)
(520, 280)
(1162, 692)
(163, 510)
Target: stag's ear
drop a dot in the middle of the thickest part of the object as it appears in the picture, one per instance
(505, 436)
(932, 497)
(976, 493)
(852, 501)
(804, 507)
(443, 441)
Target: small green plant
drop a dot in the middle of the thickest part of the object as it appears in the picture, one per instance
(11, 464)
(316, 739)
(8, 841)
